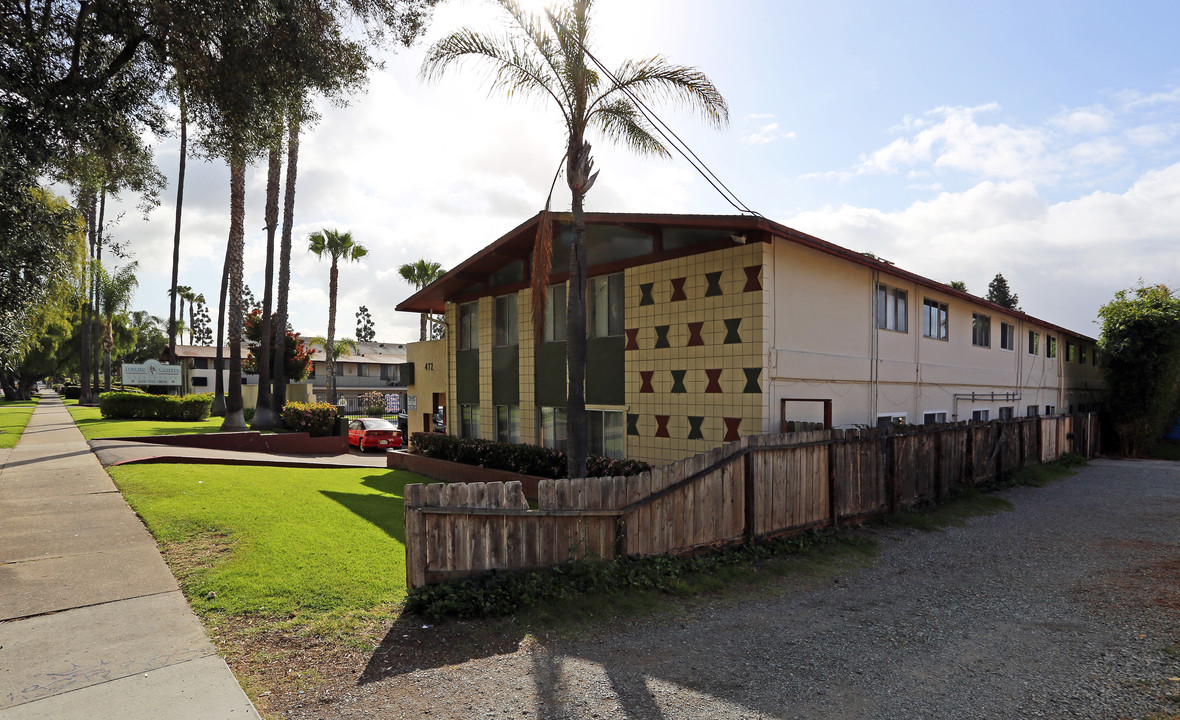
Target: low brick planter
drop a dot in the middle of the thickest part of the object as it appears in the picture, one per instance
(299, 443)
(447, 471)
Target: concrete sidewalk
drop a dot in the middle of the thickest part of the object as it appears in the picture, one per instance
(92, 623)
(117, 451)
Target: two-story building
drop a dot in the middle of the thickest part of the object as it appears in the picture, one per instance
(702, 329)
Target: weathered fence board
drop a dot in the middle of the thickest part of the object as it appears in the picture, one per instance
(761, 485)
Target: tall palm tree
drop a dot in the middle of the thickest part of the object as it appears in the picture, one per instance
(547, 58)
(114, 297)
(420, 274)
(338, 246)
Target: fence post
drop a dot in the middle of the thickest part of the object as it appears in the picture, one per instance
(748, 499)
(890, 470)
(833, 506)
(415, 495)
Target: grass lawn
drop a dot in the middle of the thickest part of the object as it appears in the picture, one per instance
(309, 549)
(14, 416)
(93, 425)
(1167, 450)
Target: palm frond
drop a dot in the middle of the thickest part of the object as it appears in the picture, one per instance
(621, 122)
(655, 80)
(512, 66)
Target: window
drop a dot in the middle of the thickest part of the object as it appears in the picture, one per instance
(553, 428)
(1050, 409)
(932, 418)
(604, 316)
(506, 330)
(555, 314)
(934, 319)
(200, 381)
(1034, 342)
(200, 363)
(1094, 358)
(364, 370)
(604, 430)
(469, 326)
(1050, 346)
(891, 309)
(469, 421)
(981, 415)
(1069, 351)
(508, 423)
(886, 420)
(1007, 336)
(1032, 410)
(1006, 413)
(981, 330)
(1081, 354)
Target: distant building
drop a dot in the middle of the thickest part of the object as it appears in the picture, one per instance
(702, 329)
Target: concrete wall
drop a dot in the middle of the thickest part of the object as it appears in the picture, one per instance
(430, 376)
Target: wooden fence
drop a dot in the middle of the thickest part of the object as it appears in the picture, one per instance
(760, 486)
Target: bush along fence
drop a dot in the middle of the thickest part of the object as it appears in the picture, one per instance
(760, 486)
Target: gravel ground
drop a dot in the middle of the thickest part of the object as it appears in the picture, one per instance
(1066, 607)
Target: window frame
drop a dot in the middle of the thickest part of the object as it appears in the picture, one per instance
(1081, 354)
(614, 287)
(469, 420)
(941, 316)
(1051, 347)
(893, 299)
(507, 323)
(469, 325)
(981, 330)
(1007, 337)
(981, 415)
(551, 439)
(1007, 412)
(1034, 343)
(935, 414)
(555, 319)
(508, 424)
(618, 432)
(1032, 411)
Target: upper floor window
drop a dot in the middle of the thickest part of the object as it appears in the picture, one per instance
(506, 330)
(1007, 336)
(1082, 354)
(555, 314)
(981, 330)
(1050, 347)
(469, 326)
(891, 309)
(605, 313)
(1034, 342)
(1069, 351)
(935, 319)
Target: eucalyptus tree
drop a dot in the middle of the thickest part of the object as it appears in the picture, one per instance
(336, 246)
(420, 274)
(547, 58)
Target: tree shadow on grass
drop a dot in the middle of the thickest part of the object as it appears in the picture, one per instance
(386, 511)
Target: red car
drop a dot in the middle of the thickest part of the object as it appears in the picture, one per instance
(368, 433)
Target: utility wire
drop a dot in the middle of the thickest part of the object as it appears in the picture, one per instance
(656, 124)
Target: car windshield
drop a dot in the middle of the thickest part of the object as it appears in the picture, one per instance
(378, 425)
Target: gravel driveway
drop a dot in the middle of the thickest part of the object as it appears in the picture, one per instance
(1066, 607)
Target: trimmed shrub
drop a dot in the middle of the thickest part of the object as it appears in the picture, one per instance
(316, 419)
(373, 403)
(518, 458)
(140, 406)
(72, 392)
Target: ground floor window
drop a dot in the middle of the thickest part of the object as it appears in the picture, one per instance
(885, 420)
(553, 428)
(1050, 409)
(469, 421)
(1032, 411)
(1006, 413)
(982, 415)
(604, 433)
(508, 423)
(932, 418)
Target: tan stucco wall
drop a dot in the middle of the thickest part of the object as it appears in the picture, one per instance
(431, 375)
(825, 344)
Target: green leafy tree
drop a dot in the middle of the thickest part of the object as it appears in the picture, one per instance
(148, 337)
(958, 285)
(1140, 343)
(364, 325)
(296, 356)
(547, 58)
(420, 274)
(336, 246)
(999, 293)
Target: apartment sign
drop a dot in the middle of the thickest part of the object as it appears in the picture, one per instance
(152, 372)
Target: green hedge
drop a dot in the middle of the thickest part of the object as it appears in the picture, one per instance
(140, 406)
(518, 458)
(316, 419)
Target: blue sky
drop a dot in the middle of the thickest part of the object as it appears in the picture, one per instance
(956, 139)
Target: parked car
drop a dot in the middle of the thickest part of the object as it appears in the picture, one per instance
(367, 433)
(440, 421)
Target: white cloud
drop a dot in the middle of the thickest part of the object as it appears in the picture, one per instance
(1086, 121)
(766, 134)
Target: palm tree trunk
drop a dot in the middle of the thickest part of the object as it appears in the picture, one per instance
(234, 418)
(84, 397)
(108, 343)
(330, 350)
(575, 339)
(422, 336)
(279, 396)
(218, 408)
(176, 231)
(264, 414)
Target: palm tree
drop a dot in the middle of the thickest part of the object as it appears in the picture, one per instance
(548, 58)
(114, 297)
(343, 346)
(336, 245)
(420, 274)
